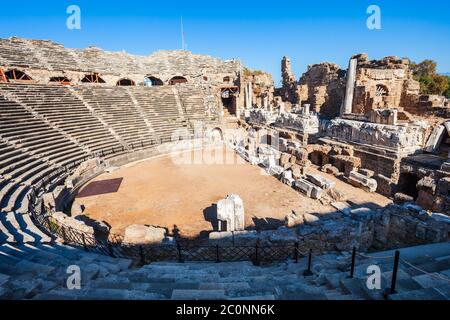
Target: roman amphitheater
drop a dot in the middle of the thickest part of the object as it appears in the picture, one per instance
(183, 176)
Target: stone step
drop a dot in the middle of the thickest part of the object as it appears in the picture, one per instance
(422, 294)
(187, 294)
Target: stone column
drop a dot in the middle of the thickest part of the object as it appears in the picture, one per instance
(250, 95)
(350, 88)
(247, 97)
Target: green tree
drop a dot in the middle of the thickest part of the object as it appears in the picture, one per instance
(430, 81)
(423, 69)
(447, 92)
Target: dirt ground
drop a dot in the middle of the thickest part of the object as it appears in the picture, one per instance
(162, 193)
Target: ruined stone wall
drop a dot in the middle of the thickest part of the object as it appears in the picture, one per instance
(405, 139)
(288, 90)
(262, 88)
(322, 86)
(383, 84)
(407, 225)
(43, 59)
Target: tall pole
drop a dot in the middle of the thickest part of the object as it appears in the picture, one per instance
(182, 33)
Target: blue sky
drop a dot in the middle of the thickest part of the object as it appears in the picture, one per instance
(258, 33)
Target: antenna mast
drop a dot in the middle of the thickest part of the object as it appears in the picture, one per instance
(182, 34)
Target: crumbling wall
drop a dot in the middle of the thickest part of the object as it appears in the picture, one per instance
(323, 86)
(289, 89)
(383, 84)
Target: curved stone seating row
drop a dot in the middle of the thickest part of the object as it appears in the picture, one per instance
(161, 108)
(40, 272)
(48, 128)
(115, 106)
(66, 112)
(47, 55)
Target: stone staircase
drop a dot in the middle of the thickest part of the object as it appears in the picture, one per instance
(40, 272)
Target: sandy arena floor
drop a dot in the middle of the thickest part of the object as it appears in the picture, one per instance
(162, 193)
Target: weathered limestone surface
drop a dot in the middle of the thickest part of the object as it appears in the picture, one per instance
(358, 180)
(231, 211)
(350, 87)
(261, 116)
(65, 220)
(384, 116)
(308, 188)
(305, 123)
(320, 181)
(408, 138)
(323, 86)
(288, 91)
(435, 139)
(141, 234)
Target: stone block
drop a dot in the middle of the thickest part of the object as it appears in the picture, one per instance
(286, 178)
(366, 172)
(292, 220)
(221, 238)
(435, 139)
(310, 218)
(230, 213)
(400, 198)
(320, 181)
(308, 188)
(358, 180)
(141, 234)
(443, 186)
(330, 169)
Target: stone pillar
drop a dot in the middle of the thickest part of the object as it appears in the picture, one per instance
(250, 95)
(350, 88)
(306, 109)
(247, 96)
(230, 214)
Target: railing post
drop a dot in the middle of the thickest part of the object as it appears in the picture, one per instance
(217, 254)
(296, 248)
(141, 255)
(110, 249)
(308, 272)
(84, 242)
(394, 272)
(180, 257)
(352, 268)
(256, 261)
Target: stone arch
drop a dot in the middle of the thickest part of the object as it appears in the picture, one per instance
(15, 74)
(381, 90)
(61, 79)
(2, 76)
(124, 82)
(92, 78)
(151, 81)
(216, 135)
(177, 80)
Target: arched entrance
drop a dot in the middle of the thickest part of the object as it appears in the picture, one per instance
(15, 74)
(381, 90)
(177, 80)
(61, 80)
(216, 135)
(125, 83)
(151, 81)
(92, 78)
(228, 97)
